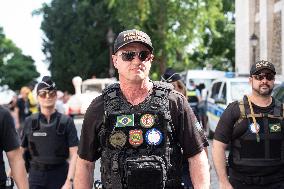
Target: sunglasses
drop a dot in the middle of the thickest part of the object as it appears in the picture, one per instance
(43, 94)
(268, 76)
(129, 55)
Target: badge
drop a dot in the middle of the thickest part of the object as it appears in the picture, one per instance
(125, 120)
(135, 137)
(252, 128)
(147, 120)
(274, 128)
(153, 137)
(117, 139)
(39, 134)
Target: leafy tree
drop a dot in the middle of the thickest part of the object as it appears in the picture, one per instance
(76, 31)
(16, 69)
(217, 47)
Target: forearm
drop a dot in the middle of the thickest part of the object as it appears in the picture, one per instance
(18, 170)
(199, 171)
(219, 160)
(84, 174)
(72, 165)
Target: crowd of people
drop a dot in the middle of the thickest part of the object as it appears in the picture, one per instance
(146, 133)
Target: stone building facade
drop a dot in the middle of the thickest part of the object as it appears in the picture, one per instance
(265, 19)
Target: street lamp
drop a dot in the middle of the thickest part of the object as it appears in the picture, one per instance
(253, 41)
(110, 39)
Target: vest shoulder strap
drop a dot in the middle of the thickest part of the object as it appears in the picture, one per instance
(61, 126)
(35, 119)
(242, 111)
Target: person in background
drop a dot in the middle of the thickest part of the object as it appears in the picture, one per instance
(202, 105)
(138, 128)
(194, 97)
(254, 128)
(32, 99)
(9, 142)
(170, 76)
(59, 105)
(22, 110)
(50, 138)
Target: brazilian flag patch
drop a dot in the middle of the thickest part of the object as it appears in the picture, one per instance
(274, 128)
(124, 120)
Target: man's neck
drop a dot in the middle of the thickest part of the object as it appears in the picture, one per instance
(136, 92)
(47, 112)
(262, 101)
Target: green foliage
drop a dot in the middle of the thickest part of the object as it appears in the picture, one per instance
(185, 34)
(16, 69)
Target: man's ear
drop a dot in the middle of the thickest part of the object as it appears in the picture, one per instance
(114, 60)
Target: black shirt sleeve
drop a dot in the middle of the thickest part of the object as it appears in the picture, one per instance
(71, 133)
(9, 139)
(186, 126)
(225, 126)
(93, 120)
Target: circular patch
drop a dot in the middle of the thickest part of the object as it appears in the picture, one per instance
(117, 139)
(135, 137)
(154, 137)
(147, 120)
(252, 128)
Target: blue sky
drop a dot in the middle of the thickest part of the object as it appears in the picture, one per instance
(24, 29)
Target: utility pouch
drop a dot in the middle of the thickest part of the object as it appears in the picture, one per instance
(146, 172)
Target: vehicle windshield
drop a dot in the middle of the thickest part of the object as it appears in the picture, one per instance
(239, 89)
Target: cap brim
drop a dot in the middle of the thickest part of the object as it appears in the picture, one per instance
(143, 43)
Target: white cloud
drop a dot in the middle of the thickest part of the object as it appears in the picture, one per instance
(24, 29)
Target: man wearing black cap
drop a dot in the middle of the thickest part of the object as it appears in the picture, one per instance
(138, 127)
(50, 138)
(254, 127)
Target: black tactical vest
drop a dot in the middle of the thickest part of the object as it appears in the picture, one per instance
(269, 150)
(48, 143)
(139, 147)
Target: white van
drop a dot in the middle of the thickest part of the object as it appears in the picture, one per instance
(201, 76)
(222, 92)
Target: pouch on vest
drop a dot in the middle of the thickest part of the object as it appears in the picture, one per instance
(146, 172)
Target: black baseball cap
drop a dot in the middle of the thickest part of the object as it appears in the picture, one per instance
(170, 75)
(130, 36)
(46, 84)
(260, 65)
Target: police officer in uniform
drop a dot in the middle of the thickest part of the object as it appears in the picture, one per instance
(138, 127)
(254, 127)
(194, 97)
(9, 142)
(50, 138)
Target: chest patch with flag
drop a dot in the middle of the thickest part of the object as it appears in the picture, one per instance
(274, 128)
(125, 120)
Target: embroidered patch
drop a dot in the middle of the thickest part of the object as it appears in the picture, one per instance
(147, 120)
(252, 128)
(154, 137)
(125, 120)
(39, 134)
(135, 137)
(274, 128)
(117, 139)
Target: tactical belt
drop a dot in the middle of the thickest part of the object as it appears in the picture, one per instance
(255, 180)
(46, 167)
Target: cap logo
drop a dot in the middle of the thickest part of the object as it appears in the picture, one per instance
(262, 64)
(137, 35)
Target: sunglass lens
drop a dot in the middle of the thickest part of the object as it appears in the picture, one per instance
(42, 94)
(128, 56)
(143, 55)
(269, 77)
